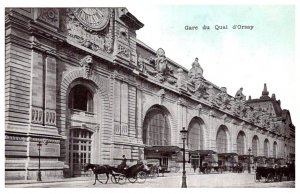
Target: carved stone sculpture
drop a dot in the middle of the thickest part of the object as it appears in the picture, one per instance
(163, 70)
(87, 64)
(181, 81)
(222, 99)
(196, 72)
(239, 95)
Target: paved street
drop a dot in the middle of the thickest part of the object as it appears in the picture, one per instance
(169, 181)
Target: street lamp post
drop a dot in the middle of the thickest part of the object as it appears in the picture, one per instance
(39, 174)
(183, 137)
(249, 168)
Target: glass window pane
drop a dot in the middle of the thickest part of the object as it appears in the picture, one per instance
(221, 141)
(156, 128)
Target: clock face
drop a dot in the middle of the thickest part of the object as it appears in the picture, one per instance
(93, 18)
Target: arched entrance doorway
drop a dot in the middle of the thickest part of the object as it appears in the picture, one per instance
(195, 141)
(157, 135)
(80, 146)
(82, 116)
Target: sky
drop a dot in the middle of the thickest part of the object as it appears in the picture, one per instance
(232, 58)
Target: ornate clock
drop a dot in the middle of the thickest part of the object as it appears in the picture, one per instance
(94, 19)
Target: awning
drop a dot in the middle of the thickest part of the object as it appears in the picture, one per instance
(245, 156)
(202, 152)
(260, 159)
(227, 154)
(162, 149)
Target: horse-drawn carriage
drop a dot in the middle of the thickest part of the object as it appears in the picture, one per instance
(135, 173)
(275, 173)
(211, 164)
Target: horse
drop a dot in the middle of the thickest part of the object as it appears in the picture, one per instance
(99, 169)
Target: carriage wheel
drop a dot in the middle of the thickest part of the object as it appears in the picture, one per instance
(114, 178)
(132, 179)
(141, 177)
(122, 179)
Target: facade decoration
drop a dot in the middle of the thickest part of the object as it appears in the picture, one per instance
(89, 28)
(181, 81)
(141, 64)
(162, 70)
(196, 72)
(50, 16)
(197, 84)
(87, 65)
(239, 95)
(222, 99)
(37, 115)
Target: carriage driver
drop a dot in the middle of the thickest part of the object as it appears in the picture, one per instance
(123, 163)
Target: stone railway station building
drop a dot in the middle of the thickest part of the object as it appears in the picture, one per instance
(79, 81)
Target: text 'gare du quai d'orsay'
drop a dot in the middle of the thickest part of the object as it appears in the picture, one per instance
(79, 82)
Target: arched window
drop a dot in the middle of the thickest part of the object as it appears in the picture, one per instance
(266, 147)
(222, 140)
(156, 127)
(81, 98)
(240, 142)
(195, 134)
(285, 151)
(254, 145)
(275, 149)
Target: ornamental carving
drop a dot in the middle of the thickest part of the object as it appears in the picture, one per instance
(49, 15)
(265, 120)
(15, 138)
(239, 108)
(162, 70)
(124, 52)
(239, 95)
(222, 99)
(87, 65)
(88, 32)
(181, 81)
(199, 89)
(141, 64)
(196, 72)
(44, 140)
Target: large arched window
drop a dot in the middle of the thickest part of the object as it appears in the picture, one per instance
(266, 147)
(285, 151)
(195, 134)
(81, 98)
(222, 143)
(156, 127)
(275, 149)
(240, 143)
(255, 145)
